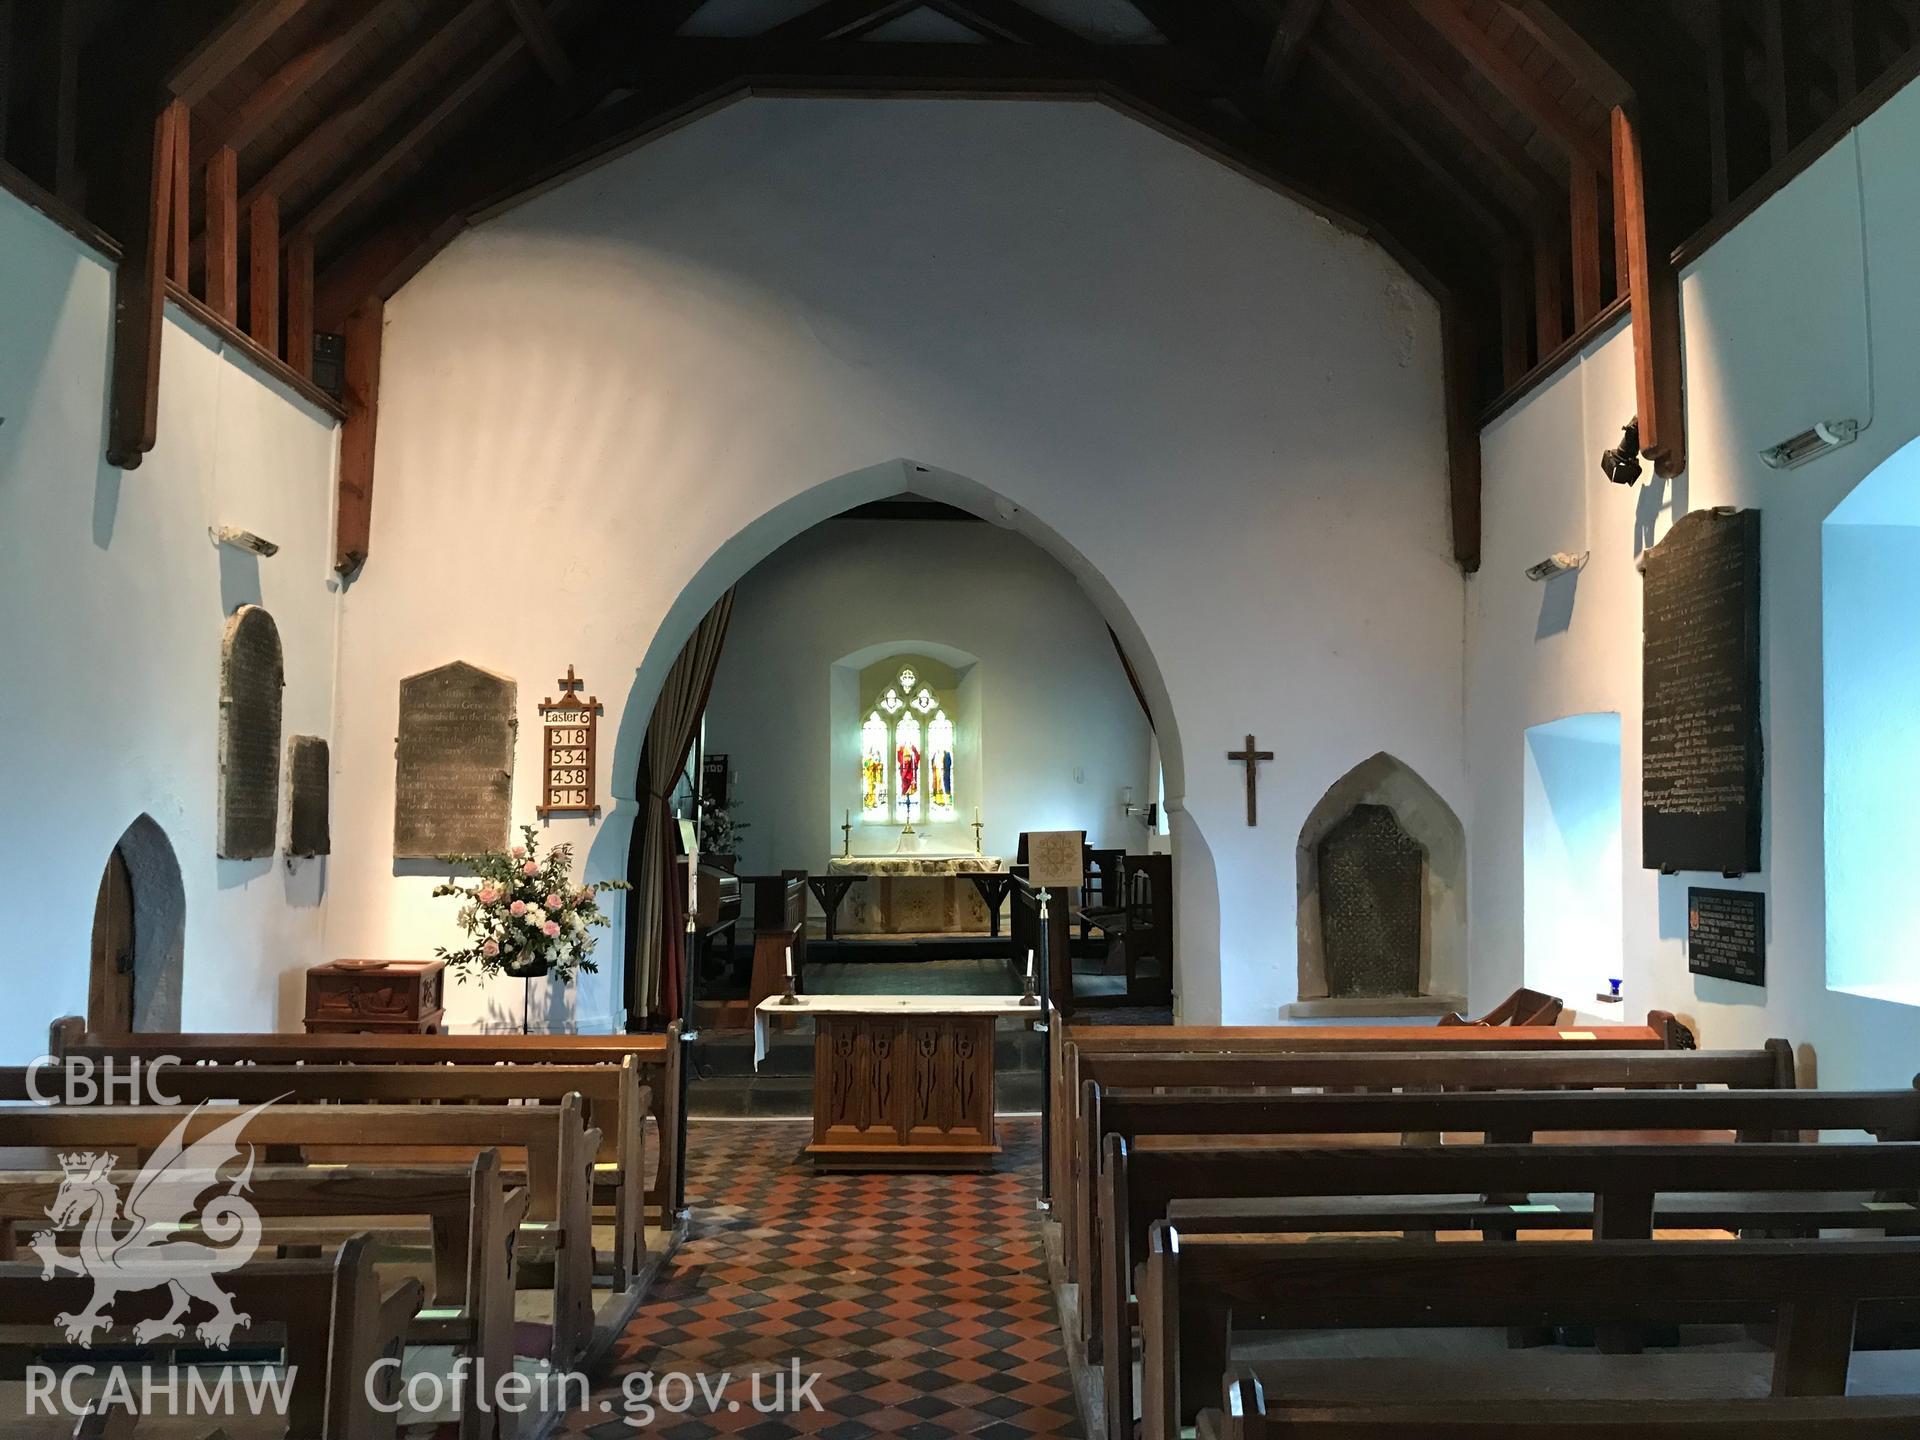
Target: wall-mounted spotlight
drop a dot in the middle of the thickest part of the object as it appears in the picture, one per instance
(1148, 814)
(241, 540)
(1824, 438)
(1561, 562)
(1621, 464)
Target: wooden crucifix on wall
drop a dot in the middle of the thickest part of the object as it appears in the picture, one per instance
(1251, 758)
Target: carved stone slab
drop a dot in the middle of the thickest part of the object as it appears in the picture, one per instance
(1372, 899)
(453, 763)
(252, 677)
(308, 784)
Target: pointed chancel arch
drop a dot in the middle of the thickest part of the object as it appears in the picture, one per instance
(614, 851)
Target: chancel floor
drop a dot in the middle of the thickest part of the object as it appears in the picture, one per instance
(920, 1301)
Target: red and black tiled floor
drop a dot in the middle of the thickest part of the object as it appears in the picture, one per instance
(920, 1301)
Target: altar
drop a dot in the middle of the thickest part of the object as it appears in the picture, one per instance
(916, 894)
(900, 1082)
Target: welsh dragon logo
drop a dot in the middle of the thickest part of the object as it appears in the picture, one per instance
(145, 1248)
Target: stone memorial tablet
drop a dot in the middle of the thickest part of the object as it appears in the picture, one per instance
(1700, 716)
(1727, 935)
(453, 763)
(309, 779)
(252, 676)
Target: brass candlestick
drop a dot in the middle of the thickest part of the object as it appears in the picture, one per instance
(789, 998)
(1030, 998)
(976, 839)
(846, 838)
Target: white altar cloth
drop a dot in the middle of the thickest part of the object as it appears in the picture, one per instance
(999, 1006)
(917, 865)
(915, 894)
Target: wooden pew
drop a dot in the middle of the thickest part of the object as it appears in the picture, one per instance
(659, 1058)
(1138, 1187)
(333, 1317)
(1525, 1067)
(1193, 1284)
(616, 1104)
(559, 1152)
(1072, 1048)
(475, 1222)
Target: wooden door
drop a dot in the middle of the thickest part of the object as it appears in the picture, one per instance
(110, 990)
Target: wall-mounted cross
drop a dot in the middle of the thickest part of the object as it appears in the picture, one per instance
(1251, 758)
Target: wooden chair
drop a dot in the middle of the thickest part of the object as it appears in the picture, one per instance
(1522, 1007)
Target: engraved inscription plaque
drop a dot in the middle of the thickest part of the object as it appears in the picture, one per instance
(1373, 883)
(1700, 741)
(453, 763)
(309, 777)
(252, 676)
(1727, 935)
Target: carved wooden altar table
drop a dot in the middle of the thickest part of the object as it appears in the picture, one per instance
(899, 1082)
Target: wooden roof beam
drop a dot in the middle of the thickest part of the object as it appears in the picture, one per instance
(325, 144)
(1647, 240)
(270, 99)
(412, 136)
(537, 29)
(838, 20)
(1505, 155)
(1513, 80)
(244, 31)
(1494, 226)
(1291, 28)
(1010, 21)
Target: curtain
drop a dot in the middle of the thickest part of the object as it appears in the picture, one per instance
(657, 904)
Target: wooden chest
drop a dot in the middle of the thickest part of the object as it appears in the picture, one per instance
(401, 997)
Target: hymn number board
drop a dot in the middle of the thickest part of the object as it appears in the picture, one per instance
(569, 724)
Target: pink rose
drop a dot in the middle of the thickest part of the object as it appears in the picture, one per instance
(519, 852)
(529, 868)
(519, 907)
(488, 894)
(490, 949)
(550, 929)
(586, 893)
(553, 902)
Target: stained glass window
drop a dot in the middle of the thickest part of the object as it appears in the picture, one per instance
(907, 761)
(906, 769)
(873, 768)
(940, 767)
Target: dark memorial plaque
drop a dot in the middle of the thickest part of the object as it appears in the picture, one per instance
(453, 763)
(1700, 706)
(1727, 935)
(308, 783)
(252, 677)
(1373, 884)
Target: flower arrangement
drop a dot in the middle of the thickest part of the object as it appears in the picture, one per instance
(719, 831)
(524, 914)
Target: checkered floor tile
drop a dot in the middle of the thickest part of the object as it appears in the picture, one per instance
(919, 1301)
